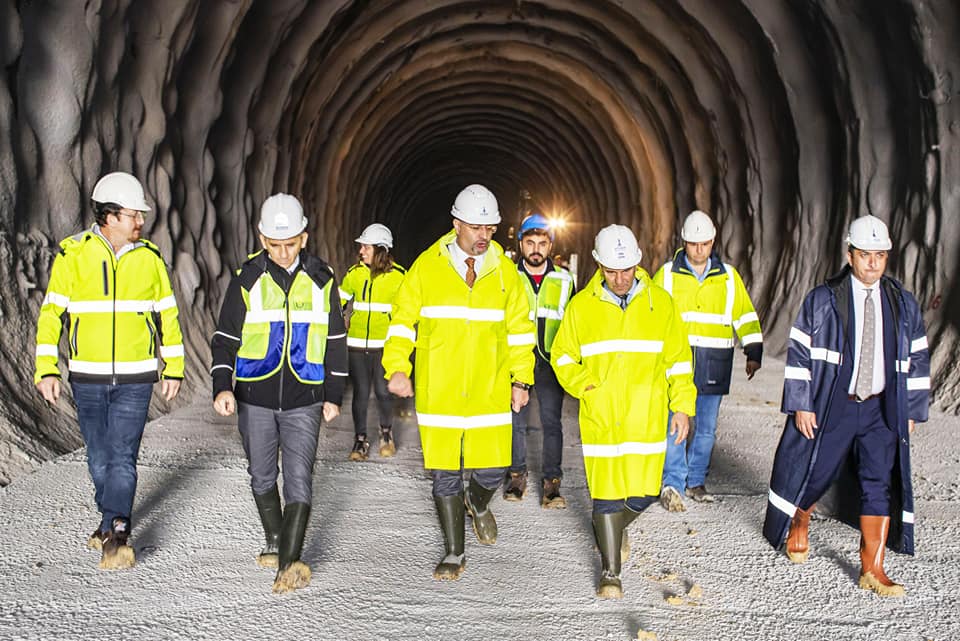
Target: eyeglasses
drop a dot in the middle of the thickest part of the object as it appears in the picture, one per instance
(478, 228)
(136, 216)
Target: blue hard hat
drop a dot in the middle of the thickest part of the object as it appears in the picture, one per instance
(535, 222)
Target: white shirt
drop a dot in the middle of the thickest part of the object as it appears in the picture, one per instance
(460, 257)
(859, 298)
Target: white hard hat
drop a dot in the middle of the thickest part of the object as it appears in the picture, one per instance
(281, 217)
(869, 233)
(476, 205)
(616, 248)
(698, 228)
(376, 234)
(121, 188)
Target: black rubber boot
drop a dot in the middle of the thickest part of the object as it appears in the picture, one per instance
(629, 516)
(293, 572)
(271, 517)
(477, 498)
(450, 510)
(608, 529)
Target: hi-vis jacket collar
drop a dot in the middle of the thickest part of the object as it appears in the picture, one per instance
(491, 258)
(680, 264)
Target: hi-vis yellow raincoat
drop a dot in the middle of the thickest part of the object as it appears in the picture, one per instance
(639, 364)
(471, 343)
(120, 311)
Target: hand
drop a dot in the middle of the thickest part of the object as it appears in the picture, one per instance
(912, 424)
(169, 388)
(225, 403)
(330, 411)
(806, 422)
(49, 387)
(752, 367)
(679, 425)
(519, 398)
(400, 385)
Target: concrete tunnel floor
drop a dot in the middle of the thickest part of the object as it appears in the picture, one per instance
(374, 539)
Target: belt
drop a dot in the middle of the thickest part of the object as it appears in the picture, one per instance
(853, 397)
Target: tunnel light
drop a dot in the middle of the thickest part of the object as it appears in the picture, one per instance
(557, 223)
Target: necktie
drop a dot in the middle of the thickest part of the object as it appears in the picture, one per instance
(471, 275)
(865, 369)
(623, 301)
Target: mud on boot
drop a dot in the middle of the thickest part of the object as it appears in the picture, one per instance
(95, 540)
(610, 586)
(271, 517)
(450, 511)
(608, 528)
(361, 448)
(388, 447)
(293, 573)
(293, 577)
(551, 499)
(116, 554)
(476, 499)
(516, 487)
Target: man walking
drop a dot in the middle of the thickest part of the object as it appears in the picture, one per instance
(114, 287)
(281, 333)
(548, 289)
(714, 305)
(857, 380)
(462, 304)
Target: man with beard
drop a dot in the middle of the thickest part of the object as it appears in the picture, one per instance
(462, 306)
(548, 288)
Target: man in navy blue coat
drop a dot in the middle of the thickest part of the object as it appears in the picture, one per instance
(856, 382)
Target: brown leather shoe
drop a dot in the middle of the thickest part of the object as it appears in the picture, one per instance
(873, 541)
(798, 543)
(551, 499)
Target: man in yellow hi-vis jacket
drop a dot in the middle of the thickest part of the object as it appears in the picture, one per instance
(463, 307)
(114, 288)
(622, 350)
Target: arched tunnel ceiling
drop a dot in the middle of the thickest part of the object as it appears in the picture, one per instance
(782, 118)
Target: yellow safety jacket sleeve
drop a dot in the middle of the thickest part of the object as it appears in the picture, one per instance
(573, 376)
(746, 323)
(171, 339)
(402, 333)
(521, 332)
(679, 359)
(50, 321)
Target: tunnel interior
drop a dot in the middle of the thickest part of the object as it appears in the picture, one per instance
(783, 119)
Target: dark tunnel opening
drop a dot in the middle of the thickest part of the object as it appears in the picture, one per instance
(783, 120)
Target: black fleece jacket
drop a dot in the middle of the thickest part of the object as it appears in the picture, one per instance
(282, 391)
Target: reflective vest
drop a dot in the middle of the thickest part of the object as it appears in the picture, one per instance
(470, 343)
(712, 310)
(637, 363)
(372, 304)
(119, 308)
(547, 304)
(278, 327)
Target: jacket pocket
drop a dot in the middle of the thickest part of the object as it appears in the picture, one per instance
(73, 338)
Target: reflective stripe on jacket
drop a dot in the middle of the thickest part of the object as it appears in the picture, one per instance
(372, 304)
(814, 359)
(470, 344)
(639, 365)
(278, 325)
(120, 311)
(713, 310)
(548, 303)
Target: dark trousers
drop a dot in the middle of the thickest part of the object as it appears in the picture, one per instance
(634, 504)
(366, 370)
(267, 434)
(111, 420)
(860, 426)
(550, 398)
(450, 482)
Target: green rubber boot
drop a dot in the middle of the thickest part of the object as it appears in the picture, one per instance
(293, 573)
(271, 517)
(608, 529)
(476, 499)
(450, 509)
(629, 516)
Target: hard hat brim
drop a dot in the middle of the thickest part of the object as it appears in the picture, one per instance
(274, 236)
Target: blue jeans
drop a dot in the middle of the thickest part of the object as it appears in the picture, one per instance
(550, 398)
(112, 418)
(688, 463)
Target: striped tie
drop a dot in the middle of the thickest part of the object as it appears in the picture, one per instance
(865, 369)
(471, 275)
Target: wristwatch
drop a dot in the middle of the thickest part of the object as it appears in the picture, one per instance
(520, 385)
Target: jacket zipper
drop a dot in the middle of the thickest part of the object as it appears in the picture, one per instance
(76, 330)
(113, 344)
(369, 312)
(283, 354)
(153, 336)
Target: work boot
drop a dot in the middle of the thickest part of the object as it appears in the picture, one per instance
(95, 540)
(293, 573)
(450, 510)
(551, 498)
(671, 500)
(699, 494)
(115, 553)
(271, 517)
(387, 445)
(629, 516)
(516, 487)
(608, 529)
(476, 499)
(798, 542)
(873, 540)
(361, 448)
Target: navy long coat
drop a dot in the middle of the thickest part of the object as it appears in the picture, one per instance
(817, 356)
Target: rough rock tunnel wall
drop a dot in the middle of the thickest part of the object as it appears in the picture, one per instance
(783, 118)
